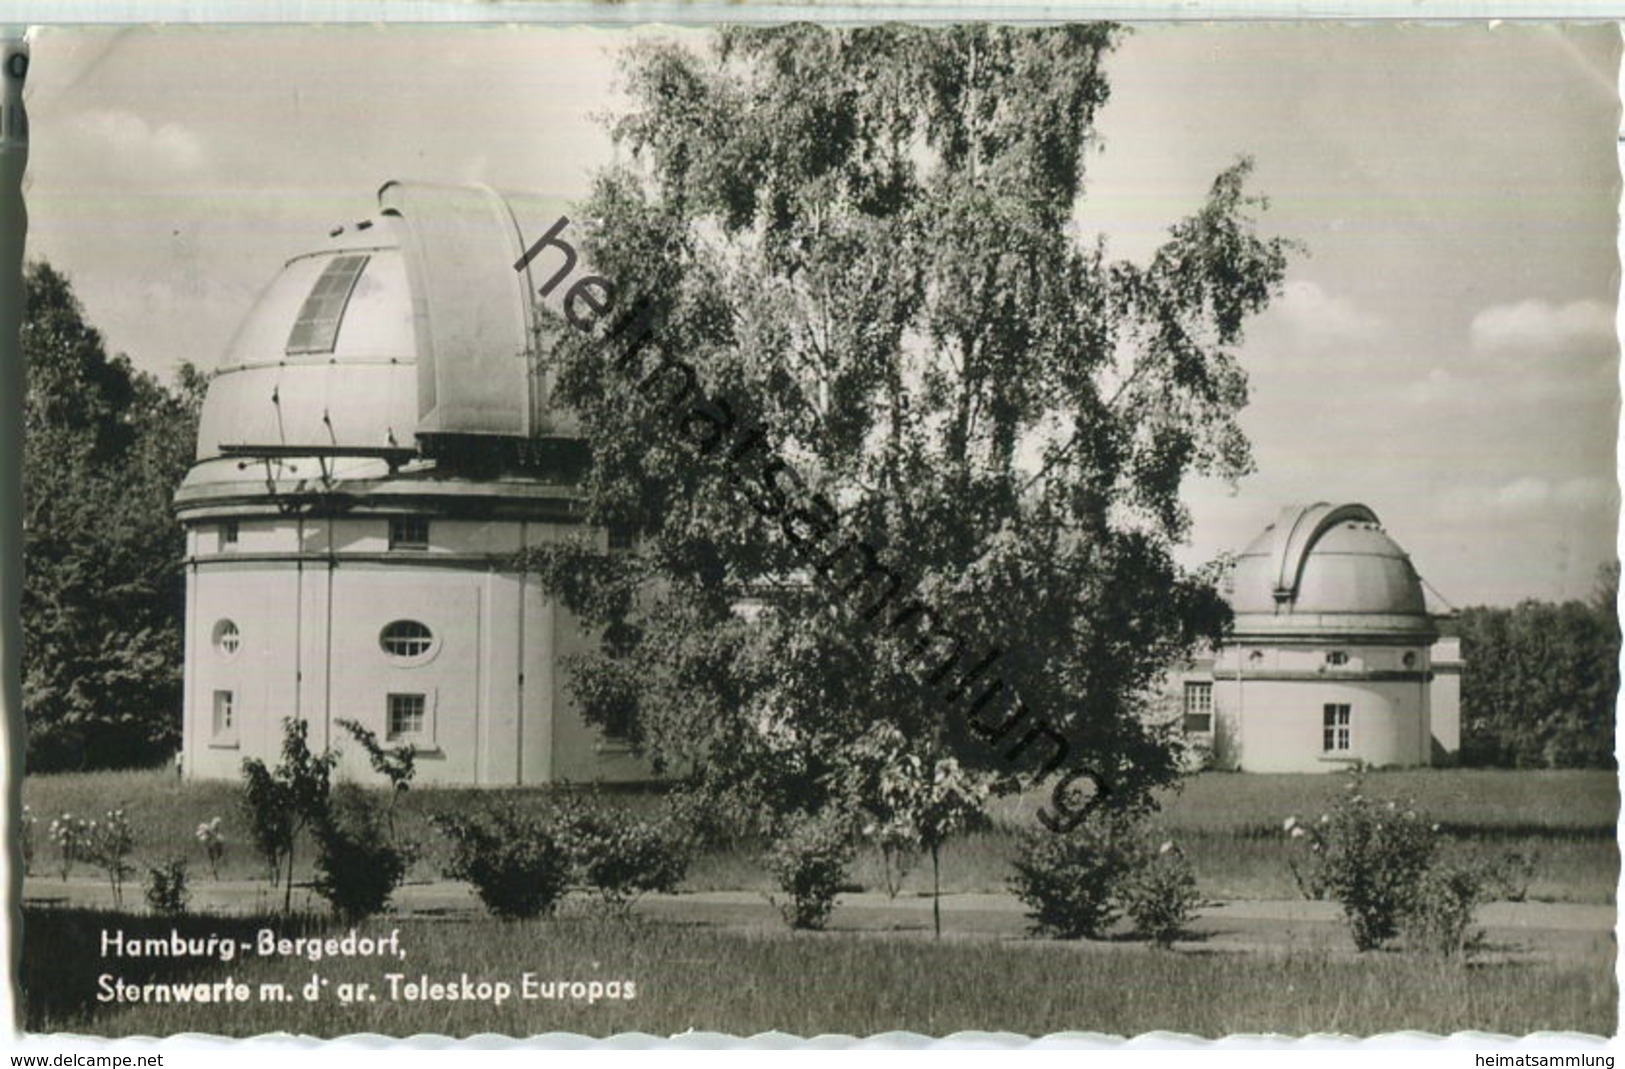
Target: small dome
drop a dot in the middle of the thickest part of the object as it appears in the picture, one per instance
(1326, 570)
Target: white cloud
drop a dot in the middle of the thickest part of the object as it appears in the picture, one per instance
(125, 145)
(1439, 385)
(1531, 493)
(1318, 317)
(1541, 328)
(1585, 492)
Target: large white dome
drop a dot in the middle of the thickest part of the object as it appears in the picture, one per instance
(407, 336)
(1328, 570)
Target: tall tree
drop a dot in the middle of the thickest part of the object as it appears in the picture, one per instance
(854, 339)
(103, 593)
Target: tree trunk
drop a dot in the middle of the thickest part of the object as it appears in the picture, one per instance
(287, 894)
(936, 893)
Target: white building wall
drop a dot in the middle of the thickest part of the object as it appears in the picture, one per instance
(366, 598)
(1445, 701)
(309, 626)
(259, 602)
(1270, 704)
(1281, 724)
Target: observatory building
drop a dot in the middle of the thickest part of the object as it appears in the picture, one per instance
(375, 448)
(1335, 657)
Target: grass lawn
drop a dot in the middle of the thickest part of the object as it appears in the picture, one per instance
(1228, 824)
(689, 976)
(722, 976)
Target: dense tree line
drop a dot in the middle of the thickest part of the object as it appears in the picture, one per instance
(1541, 681)
(103, 598)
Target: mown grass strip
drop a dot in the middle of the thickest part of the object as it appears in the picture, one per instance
(811, 983)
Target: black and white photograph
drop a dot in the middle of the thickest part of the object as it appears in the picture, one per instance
(821, 528)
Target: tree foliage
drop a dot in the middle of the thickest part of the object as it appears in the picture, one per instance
(103, 596)
(1541, 681)
(862, 243)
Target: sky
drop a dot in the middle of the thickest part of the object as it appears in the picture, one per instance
(1444, 351)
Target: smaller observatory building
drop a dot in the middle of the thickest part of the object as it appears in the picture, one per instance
(375, 448)
(1335, 658)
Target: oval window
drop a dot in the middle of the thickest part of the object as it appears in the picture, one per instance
(406, 638)
(226, 637)
(1409, 660)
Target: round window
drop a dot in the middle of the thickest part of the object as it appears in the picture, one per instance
(1409, 659)
(406, 638)
(226, 637)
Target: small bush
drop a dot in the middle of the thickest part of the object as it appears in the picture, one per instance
(1508, 877)
(107, 844)
(166, 888)
(808, 860)
(26, 829)
(897, 859)
(1440, 919)
(71, 836)
(619, 856)
(358, 866)
(1371, 856)
(1306, 861)
(282, 802)
(1159, 894)
(397, 764)
(1070, 881)
(214, 844)
(516, 864)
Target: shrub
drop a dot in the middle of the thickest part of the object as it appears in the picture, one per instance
(107, 844)
(1306, 861)
(619, 856)
(1369, 855)
(358, 866)
(397, 764)
(1070, 881)
(25, 832)
(517, 866)
(898, 856)
(1508, 876)
(808, 860)
(280, 804)
(70, 835)
(166, 887)
(1159, 894)
(1440, 919)
(214, 844)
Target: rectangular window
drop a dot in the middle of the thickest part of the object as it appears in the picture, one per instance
(225, 718)
(409, 532)
(620, 537)
(1334, 728)
(317, 328)
(1198, 707)
(228, 533)
(408, 717)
